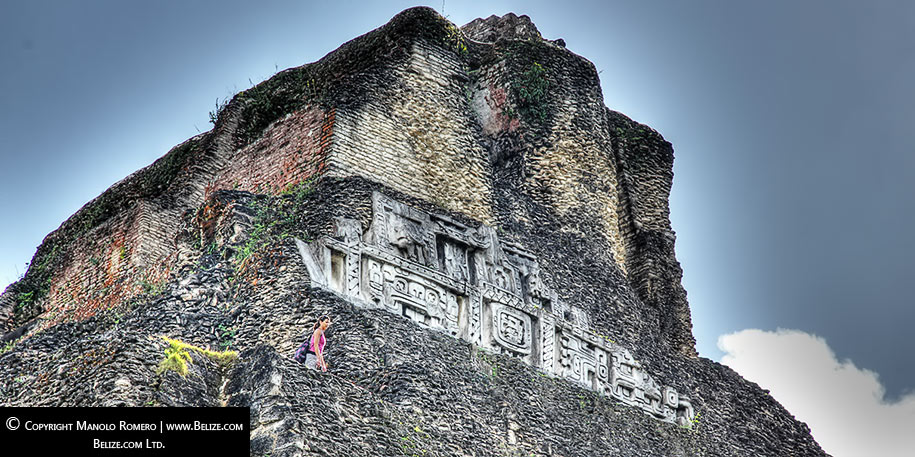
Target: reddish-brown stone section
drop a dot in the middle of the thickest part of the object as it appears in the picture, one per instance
(290, 151)
(111, 264)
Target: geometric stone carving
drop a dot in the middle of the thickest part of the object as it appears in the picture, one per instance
(548, 343)
(511, 329)
(579, 361)
(468, 283)
(420, 298)
(671, 398)
(454, 260)
(626, 382)
(509, 325)
(634, 386)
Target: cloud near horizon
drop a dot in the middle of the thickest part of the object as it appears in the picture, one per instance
(844, 405)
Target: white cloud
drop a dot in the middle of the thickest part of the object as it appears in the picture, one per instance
(842, 404)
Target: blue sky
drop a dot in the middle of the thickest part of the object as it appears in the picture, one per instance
(791, 123)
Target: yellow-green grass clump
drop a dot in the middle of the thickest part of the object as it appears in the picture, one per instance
(177, 356)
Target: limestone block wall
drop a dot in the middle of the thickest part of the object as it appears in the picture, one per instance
(572, 167)
(117, 246)
(125, 255)
(424, 110)
(563, 160)
(556, 255)
(416, 135)
(646, 172)
(119, 259)
(123, 243)
(553, 147)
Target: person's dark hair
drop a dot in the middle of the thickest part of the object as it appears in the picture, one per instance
(318, 323)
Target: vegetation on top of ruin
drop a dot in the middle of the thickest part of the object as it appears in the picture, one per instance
(339, 77)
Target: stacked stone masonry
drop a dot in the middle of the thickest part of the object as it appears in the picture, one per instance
(416, 136)
(468, 283)
(290, 151)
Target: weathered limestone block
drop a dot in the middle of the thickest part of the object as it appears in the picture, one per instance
(418, 132)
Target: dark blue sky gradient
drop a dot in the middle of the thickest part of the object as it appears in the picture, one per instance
(792, 124)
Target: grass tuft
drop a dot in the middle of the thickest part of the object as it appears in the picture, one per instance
(178, 355)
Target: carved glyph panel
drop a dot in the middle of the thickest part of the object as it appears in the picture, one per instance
(413, 296)
(512, 329)
(583, 362)
(465, 281)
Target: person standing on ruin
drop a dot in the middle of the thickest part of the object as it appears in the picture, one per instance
(313, 348)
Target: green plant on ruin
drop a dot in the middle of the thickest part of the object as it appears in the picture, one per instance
(252, 244)
(455, 38)
(313, 90)
(634, 134)
(412, 443)
(472, 77)
(114, 315)
(256, 236)
(300, 190)
(57, 248)
(582, 403)
(284, 93)
(531, 92)
(275, 219)
(217, 112)
(602, 336)
(293, 203)
(492, 362)
(509, 112)
(36, 284)
(693, 424)
(212, 249)
(176, 358)
(152, 288)
(178, 355)
(226, 337)
(25, 299)
(9, 345)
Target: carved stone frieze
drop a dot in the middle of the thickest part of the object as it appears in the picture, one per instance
(583, 362)
(465, 281)
(511, 329)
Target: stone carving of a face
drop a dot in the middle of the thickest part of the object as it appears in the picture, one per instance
(402, 232)
(407, 237)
